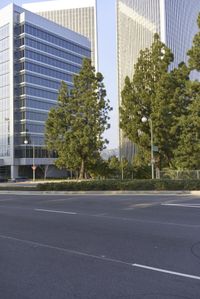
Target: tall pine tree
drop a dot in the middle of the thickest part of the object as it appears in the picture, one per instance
(188, 147)
(75, 127)
(139, 95)
(194, 52)
(170, 103)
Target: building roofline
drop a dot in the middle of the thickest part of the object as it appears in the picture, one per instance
(58, 5)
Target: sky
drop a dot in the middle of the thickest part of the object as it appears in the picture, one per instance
(106, 16)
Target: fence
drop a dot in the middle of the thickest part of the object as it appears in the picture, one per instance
(179, 174)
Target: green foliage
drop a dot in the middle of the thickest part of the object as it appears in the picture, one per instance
(188, 149)
(141, 164)
(115, 185)
(194, 52)
(170, 100)
(170, 103)
(114, 167)
(99, 169)
(139, 95)
(120, 169)
(74, 128)
(126, 170)
(188, 124)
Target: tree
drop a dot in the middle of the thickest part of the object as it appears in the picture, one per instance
(170, 103)
(120, 168)
(170, 100)
(75, 127)
(114, 167)
(139, 95)
(99, 169)
(194, 52)
(140, 165)
(188, 148)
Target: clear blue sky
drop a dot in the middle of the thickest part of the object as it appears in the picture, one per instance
(107, 57)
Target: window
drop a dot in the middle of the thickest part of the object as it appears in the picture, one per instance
(52, 61)
(51, 38)
(53, 50)
(48, 72)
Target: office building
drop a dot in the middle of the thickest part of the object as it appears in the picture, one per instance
(35, 56)
(137, 21)
(77, 15)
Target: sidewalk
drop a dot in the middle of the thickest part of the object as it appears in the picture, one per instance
(106, 193)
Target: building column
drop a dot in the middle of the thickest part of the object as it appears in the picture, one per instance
(14, 171)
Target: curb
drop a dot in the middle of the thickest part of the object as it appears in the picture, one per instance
(102, 193)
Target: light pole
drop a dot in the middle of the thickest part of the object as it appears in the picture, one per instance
(144, 119)
(122, 168)
(33, 159)
(8, 137)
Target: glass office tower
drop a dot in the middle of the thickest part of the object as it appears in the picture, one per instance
(77, 15)
(35, 56)
(137, 21)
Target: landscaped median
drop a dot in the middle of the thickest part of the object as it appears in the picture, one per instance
(123, 185)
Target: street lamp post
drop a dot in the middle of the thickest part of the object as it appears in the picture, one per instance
(122, 168)
(144, 119)
(33, 159)
(8, 136)
(33, 166)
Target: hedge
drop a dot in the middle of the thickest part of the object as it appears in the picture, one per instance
(17, 188)
(114, 185)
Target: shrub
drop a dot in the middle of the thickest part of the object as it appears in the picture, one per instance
(114, 185)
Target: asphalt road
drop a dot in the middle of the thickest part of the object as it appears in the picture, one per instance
(99, 247)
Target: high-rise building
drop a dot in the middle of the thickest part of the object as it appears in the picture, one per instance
(35, 56)
(137, 21)
(77, 15)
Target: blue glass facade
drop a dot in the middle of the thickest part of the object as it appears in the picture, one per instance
(137, 22)
(4, 92)
(43, 60)
(51, 38)
(35, 56)
(181, 16)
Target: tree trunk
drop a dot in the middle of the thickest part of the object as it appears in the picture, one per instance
(46, 167)
(82, 170)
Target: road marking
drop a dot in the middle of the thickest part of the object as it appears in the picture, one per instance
(141, 206)
(102, 257)
(102, 215)
(105, 216)
(57, 200)
(55, 211)
(166, 271)
(182, 205)
(6, 199)
(140, 220)
(70, 251)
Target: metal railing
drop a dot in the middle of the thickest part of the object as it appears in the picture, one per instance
(179, 174)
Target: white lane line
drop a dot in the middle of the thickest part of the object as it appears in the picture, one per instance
(57, 200)
(101, 258)
(166, 271)
(182, 205)
(69, 251)
(5, 200)
(55, 211)
(104, 216)
(120, 218)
